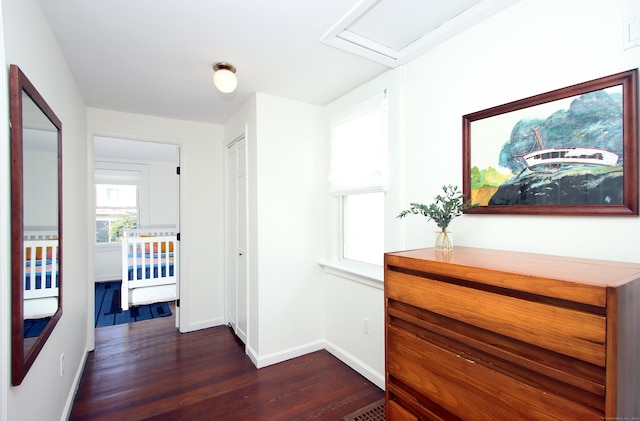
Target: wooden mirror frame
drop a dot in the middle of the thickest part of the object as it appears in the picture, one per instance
(21, 361)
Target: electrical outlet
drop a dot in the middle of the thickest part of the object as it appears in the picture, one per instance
(366, 326)
(61, 365)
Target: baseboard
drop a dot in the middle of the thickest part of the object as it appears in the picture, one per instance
(288, 354)
(252, 354)
(192, 327)
(363, 369)
(68, 406)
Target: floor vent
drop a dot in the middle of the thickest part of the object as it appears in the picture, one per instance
(373, 412)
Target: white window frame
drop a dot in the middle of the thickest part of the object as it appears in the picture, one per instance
(368, 175)
(393, 83)
(124, 173)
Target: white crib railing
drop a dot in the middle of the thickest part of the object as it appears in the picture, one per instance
(41, 272)
(149, 266)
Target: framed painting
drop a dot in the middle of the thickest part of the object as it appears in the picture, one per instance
(572, 151)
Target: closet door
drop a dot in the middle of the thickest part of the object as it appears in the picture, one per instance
(242, 264)
(237, 236)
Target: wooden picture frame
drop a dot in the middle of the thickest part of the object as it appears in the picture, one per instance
(572, 151)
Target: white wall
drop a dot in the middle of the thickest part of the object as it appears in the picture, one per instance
(30, 44)
(201, 205)
(533, 47)
(40, 188)
(290, 169)
(285, 208)
(163, 193)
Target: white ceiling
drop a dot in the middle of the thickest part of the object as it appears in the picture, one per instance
(155, 57)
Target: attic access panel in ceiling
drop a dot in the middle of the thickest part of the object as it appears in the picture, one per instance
(393, 32)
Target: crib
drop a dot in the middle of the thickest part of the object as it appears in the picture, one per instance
(149, 267)
(40, 279)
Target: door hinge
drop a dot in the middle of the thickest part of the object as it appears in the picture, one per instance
(178, 302)
(178, 170)
(178, 236)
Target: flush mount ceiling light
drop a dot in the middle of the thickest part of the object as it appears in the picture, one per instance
(224, 77)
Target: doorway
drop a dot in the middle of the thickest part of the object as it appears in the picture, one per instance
(137, 192)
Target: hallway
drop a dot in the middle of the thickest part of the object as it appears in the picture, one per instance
(147, 370)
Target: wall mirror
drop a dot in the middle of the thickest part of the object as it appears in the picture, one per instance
(36, 215)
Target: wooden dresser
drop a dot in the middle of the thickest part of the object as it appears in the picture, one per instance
(493, 335)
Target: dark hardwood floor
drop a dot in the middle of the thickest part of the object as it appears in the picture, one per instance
(147, 370)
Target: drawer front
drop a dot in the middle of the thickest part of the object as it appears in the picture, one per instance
(470, 389)
(396, 412)
(572, 332)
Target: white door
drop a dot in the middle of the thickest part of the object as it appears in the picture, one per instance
(237, 236)
(176, 269)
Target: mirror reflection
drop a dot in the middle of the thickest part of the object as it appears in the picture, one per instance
(40, 216)
(36, 212)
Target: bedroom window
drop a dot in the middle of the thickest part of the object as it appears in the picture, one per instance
(116, 210)
(358, 179)
(121, 200)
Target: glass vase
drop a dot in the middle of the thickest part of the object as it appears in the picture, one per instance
(444, 241)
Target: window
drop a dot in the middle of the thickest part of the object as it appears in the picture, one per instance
(121, 199)
(116, 211)
(358, 179)
(363, 227)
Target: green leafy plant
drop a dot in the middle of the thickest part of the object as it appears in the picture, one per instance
(119, 226)
(443, 209)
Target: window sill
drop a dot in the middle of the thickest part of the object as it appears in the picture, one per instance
(108, 247)
(371, 276)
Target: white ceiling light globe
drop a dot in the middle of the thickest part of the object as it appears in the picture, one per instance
(224, 78)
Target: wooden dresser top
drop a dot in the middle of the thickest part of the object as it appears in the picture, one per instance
(582, 280)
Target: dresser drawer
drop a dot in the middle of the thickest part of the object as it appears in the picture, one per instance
(396, 412)
(578, 331)
(494, 334)
(469, 388)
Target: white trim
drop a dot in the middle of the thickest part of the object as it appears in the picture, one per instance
(363, 369)
(252, 354)
(392, 83)
(359, 366)
(339, 35)
(287, 354)
(68, 406)
(236, 140)
(182, 203)
(370, 275)
(205, 324)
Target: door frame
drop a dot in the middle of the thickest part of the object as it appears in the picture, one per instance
(232, 256)
(91, 204)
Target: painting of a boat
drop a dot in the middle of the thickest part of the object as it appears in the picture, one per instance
(555, 157)
(572, 151)
(586, 156)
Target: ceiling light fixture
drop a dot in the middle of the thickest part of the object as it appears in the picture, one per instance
(224, 77)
